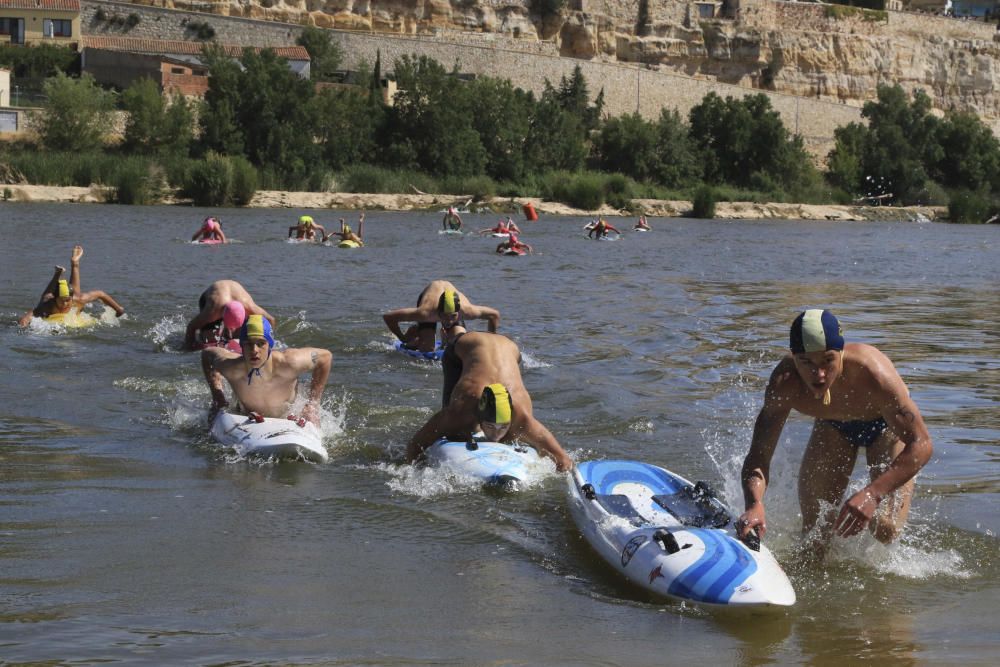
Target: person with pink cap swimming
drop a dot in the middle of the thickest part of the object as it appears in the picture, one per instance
(212, 305)
(224, 332)
(264, 380)
(858, 400)
(211, 230)
(514, 244)
(62, 296)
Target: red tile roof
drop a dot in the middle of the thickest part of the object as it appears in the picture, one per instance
(55, 5)
(167, 47)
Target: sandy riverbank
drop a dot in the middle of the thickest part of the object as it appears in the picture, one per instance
(411, 202)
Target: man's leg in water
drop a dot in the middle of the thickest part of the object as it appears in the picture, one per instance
(823, 477)
(895, 508)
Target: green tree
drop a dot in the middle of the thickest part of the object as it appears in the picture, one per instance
(76, 114)
(970, 154)
(220, 126)
(502, 118)
(325, 55)
(347, 126)
(677, 164)
(556, 138)
(628, 145)
(155, 124)
(845, 163)
(430, 122)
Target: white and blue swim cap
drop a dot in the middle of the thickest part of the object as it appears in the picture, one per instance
(816, 330)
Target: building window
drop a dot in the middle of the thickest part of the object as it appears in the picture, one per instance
(6, 26)
(706, 11)
(57, 28)
(177, 70)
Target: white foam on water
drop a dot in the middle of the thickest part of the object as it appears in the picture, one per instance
(530, 361)
(168, 334)
(76, 320)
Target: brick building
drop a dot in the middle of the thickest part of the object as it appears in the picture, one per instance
(175, 66)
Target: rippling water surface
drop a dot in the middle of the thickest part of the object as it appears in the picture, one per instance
(126, 536)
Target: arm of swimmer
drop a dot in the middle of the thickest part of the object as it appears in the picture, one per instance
(427, 435)
(197, 322)
(905, 420)
(535, 434)
(491, 315)
(25, 319)
(319, 362)
(222, 235)
(394, 317)
(756, 470)
(209, 357)
(104, 298)
(196, 235)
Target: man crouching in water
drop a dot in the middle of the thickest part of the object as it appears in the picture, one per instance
(483, 391)
(858, 400)
(263, 379)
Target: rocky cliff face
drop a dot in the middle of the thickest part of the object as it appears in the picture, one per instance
(798, 49)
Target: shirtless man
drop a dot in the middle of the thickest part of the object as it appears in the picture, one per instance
(212, 305)
(601, 229)
(451, 220)
(421, 336)
(61, 296)
(514, 243)
(858, 400)
(306, 229)
(263, 379)
(483, 391)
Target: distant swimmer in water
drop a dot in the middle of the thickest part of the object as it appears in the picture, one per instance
(421, 335)
(601, 229)
(211, 230)
(212, 309)
(263, 379)
(347, 234)
(857, 399)
(483, 391)
(514, 244)
(642, 224)
(306, 229)
(62, 297)
(451, 220)
(506, 226)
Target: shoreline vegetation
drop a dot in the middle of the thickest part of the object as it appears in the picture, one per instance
(658, 208)
(264, 137)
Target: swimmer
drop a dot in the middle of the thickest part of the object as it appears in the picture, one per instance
(211, 230)
(642, 224)
(306, 229)
(61, 296)
(483, 391)
(601, 229)
(265, 380)
(858, 400)
(514, 243)
(452, 220)
(347, 234)
(212, 308)
(422, 335)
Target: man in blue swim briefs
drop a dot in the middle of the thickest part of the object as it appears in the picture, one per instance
(858, 400)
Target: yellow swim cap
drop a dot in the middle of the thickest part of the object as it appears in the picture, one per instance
(449, 303)
(495, 405)
(306, 220)
(63, 289)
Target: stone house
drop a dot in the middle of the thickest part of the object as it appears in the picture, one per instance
(30, 22)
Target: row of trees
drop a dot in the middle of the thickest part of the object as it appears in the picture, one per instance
(443, 125)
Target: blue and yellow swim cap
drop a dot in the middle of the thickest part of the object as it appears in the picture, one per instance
(816, 330)
(449, 302)
(257, 327)
(495, 405)
(63, 290)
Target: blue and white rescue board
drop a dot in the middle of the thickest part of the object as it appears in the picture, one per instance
(269, 439)
(508, 465)
(671, 537)
(434, 355)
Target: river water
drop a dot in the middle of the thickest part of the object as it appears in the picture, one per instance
(126, 536)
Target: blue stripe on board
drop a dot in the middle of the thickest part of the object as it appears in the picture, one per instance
(715, 576)
(604, 475)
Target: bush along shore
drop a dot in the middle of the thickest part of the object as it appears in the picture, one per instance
(264, 136)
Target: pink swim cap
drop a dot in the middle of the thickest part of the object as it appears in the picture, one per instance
(210, 224)
(233, 315)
